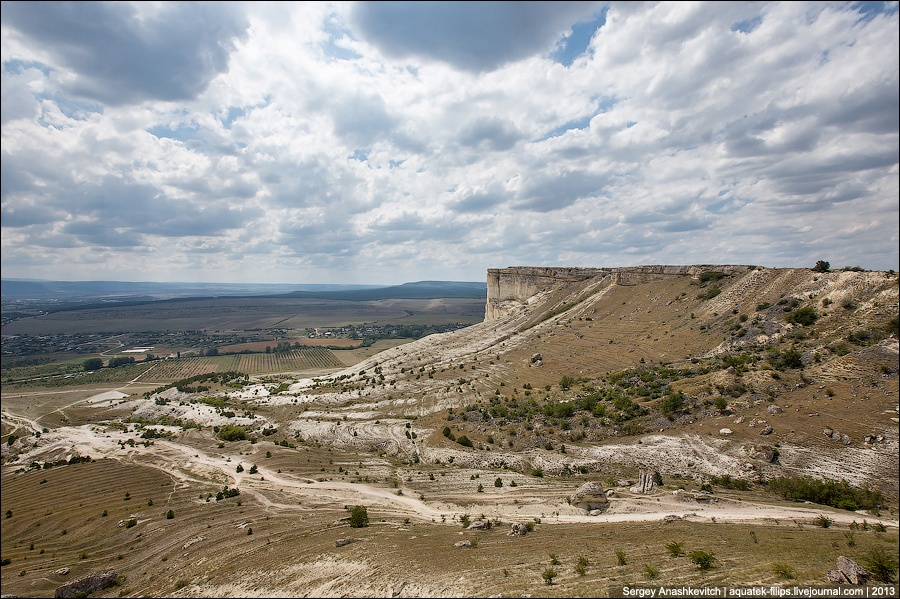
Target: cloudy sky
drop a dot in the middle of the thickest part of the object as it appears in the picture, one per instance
(387, 142)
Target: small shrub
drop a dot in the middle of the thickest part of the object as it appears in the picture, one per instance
(538, 472)
(702, 559)
(783, 570)
(554, 560)
(359, 516)
(675, 548)
(805, 316)
(882, 565)
(131, 522)
(170, 514)
(823, 521)
(650, 572)
(499, 482)
(548, 575)
(620, 557)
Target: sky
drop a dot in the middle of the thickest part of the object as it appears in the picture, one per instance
(390, 142)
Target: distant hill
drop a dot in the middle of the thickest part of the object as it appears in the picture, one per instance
(43, 290)
(418, 290)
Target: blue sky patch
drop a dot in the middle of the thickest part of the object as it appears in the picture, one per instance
(571, 47)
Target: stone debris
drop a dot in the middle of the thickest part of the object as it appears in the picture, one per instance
(465, 544)
(347, 541)
(768, 430)
(517, 530)
(848, 572)
(87, 585)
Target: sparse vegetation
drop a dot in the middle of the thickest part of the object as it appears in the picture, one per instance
(521, 419)
(675, 548)
(784, 571)
(702, 559)
(881, 564)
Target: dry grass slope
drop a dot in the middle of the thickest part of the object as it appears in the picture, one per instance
(371, 433)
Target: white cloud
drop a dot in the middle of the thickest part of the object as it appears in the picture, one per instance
(388, 142)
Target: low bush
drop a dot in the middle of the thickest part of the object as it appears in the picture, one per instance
(702, 559)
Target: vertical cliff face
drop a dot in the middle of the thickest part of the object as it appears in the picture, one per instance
(518, 283)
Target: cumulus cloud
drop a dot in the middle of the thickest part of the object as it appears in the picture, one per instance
(470, 36)
(386, 142)
(123, 52)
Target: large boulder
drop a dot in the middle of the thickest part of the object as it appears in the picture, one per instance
(589, 496)
(848, 572)
(87, 585)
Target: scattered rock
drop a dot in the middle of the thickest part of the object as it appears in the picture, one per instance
(477, 525)
(773, 409)
(725, 431)
(347, 541)
(671, 518)
(828, 432)
(535, 358)
(517, 530)
(62, 571)
(763, 453)
(463, 544)
(87, 585)
(768, 430)
(589, 496)
(848, 572)
(739, 420)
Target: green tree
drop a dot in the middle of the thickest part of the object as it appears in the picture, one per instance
(822, 266)
(671, 403)
(230, 432)
(359, 516)
(93, 364)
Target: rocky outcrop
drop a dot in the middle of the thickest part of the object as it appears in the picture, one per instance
(644, 485)
(87, 585)
(519, 283)
(848, 572)
(589, 496)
